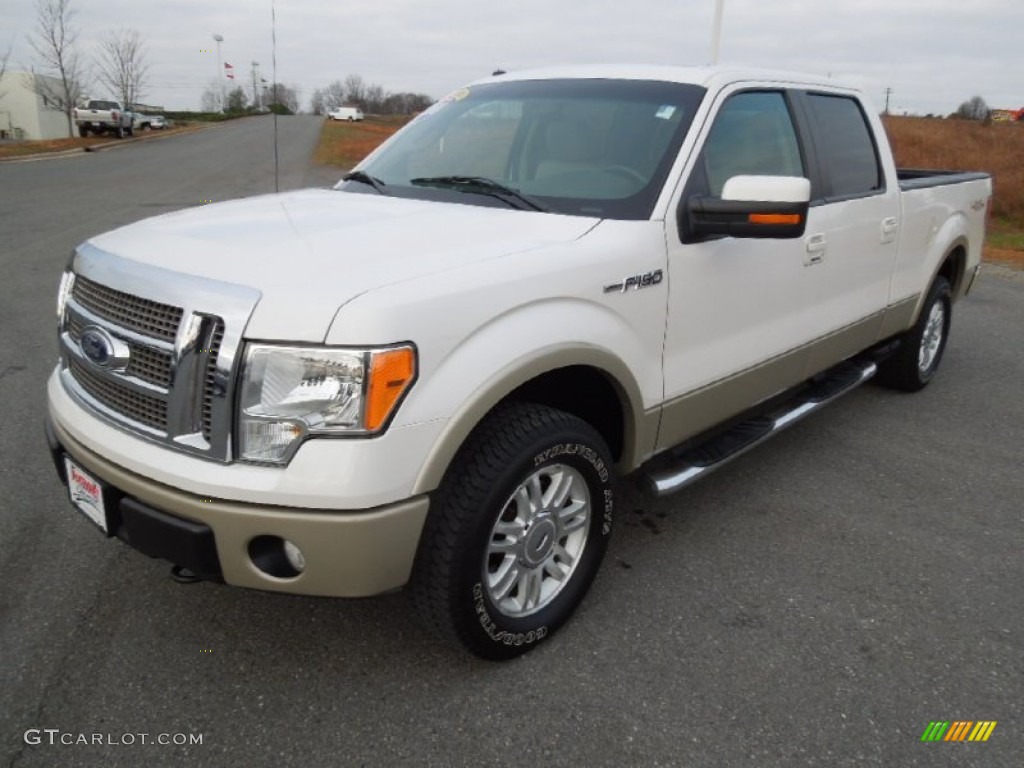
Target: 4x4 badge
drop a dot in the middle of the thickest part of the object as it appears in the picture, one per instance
(645, 280)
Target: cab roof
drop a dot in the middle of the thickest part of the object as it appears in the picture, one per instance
(704, 76)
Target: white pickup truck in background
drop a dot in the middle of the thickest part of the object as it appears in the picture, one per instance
(104, 117)
(548, 280)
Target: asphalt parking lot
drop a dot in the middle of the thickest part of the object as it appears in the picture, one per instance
(816, 603)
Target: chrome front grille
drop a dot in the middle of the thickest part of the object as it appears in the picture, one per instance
(183, 338)
(150, 318)
(145, 409)
(148, 364)
(210, 385)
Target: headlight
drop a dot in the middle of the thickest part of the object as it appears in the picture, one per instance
(289, 393)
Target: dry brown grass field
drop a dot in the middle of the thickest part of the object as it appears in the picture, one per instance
(27, 148)
(917, 142)
(961, 145)
(344, 144)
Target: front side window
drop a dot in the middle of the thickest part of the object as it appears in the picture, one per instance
(582, 147)
(753, 134)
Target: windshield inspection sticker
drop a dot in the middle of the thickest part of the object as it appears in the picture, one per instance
(459, 95)
(665, 112)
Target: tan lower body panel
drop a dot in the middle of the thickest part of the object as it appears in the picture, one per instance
(698, 411)
(348, 554)
(900, 316)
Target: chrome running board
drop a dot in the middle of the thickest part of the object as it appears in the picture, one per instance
(705, 458)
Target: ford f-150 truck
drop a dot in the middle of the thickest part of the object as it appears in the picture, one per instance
(104, 117)
(435, 373)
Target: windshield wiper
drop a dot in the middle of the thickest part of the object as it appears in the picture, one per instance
(481, 185)
(364, 178)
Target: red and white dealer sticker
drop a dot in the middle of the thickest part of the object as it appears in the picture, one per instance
(86, 494)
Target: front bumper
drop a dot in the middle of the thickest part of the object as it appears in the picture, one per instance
(347, 554)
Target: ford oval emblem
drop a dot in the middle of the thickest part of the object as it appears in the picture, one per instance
(101, 349)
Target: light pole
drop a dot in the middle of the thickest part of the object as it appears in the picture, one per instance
(716, 31)
(255, 93)
(220, 70)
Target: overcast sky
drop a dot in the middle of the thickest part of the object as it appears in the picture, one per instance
(934, 54)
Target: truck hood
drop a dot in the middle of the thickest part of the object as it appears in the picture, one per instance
(310, 252)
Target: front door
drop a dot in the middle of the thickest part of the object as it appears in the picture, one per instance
(741, 311)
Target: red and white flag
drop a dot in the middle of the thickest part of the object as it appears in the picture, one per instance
(229, 71)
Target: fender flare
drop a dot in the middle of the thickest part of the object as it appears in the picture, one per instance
(639, 429)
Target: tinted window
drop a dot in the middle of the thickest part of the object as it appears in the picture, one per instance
(753, 134)
(848, 157)
(588, 147)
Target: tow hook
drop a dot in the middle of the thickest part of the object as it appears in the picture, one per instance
(183, 575)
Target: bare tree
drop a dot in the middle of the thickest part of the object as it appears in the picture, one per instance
(3, 64)
(121, 65)
(334, 95)
(316, 102)
(237, 101)
(974, 109)
(355, 91)
(282, 98)
(54, 43)
(374, 98)
(210, 100)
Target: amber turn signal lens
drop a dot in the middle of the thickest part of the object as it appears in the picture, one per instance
(774, 218)
(391, 373)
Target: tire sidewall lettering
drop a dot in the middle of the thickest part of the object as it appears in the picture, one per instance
(574, 449)
(490, 628)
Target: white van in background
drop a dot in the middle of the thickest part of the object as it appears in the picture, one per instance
(346, 113)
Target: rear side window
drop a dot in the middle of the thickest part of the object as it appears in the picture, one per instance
(848, 155)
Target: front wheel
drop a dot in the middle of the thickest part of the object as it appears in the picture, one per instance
(83, 131)
(921, 348)
(119, 131)
(516, 532)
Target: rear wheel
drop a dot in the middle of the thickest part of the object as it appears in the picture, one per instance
(516, 532)
(921, 348)
(119, 131)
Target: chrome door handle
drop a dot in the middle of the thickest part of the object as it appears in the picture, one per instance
(815, 245)
(890, 227)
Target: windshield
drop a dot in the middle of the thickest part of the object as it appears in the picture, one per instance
(585, 147)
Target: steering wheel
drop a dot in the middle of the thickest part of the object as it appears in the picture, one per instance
(625, 170)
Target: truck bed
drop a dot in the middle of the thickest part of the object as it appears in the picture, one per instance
(918, 178)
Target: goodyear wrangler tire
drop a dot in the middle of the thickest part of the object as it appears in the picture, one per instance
(516, 532)
(920, 352)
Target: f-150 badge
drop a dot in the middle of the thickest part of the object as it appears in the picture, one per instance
(645, 280)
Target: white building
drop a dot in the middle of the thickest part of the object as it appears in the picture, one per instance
(24, 113)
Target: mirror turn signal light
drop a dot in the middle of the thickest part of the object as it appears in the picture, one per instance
(774, 218)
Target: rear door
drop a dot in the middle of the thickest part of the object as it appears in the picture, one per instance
(861, 225)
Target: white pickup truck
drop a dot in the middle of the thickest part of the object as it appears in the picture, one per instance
(547, 281)
(104, 117)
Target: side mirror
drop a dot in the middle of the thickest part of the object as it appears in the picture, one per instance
(751, 206)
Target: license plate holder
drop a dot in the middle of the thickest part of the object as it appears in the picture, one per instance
(88, 495)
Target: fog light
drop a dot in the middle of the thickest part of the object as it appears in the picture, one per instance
(277, 557)
(295, 557)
